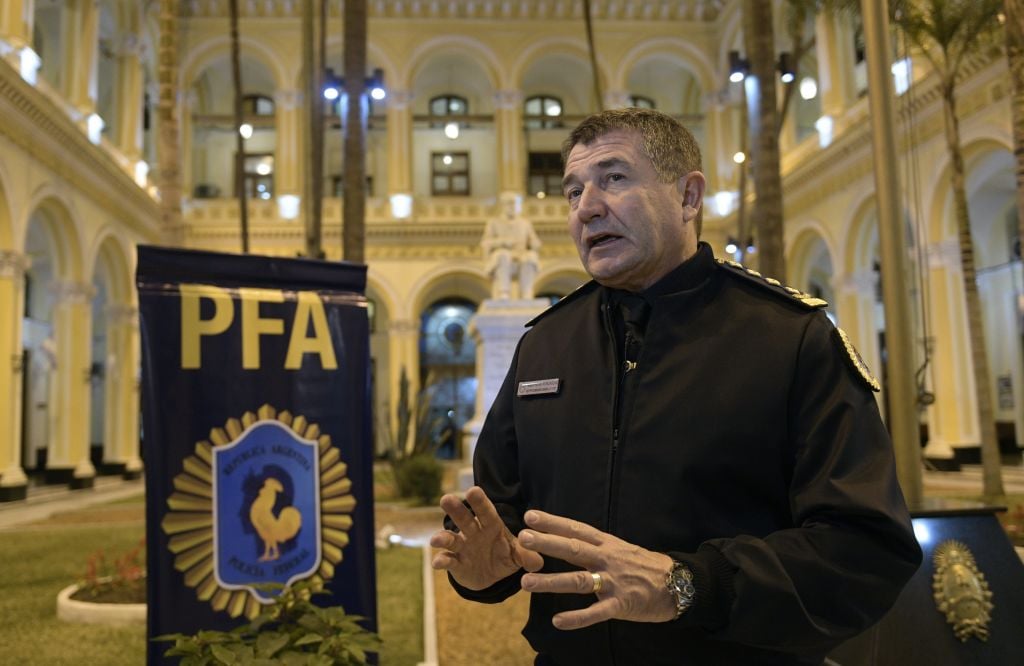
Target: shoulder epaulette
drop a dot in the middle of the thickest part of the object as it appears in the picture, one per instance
(773, 285)
(573, 295)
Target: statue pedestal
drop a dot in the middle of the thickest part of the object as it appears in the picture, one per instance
(496, 328)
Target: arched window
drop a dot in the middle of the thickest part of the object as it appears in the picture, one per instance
(447, 372)
(641, 102)
(448, 105)
(543, 112)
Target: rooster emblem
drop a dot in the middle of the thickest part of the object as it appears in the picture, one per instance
(273, 530)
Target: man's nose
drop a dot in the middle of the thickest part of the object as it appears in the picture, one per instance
(592, 204)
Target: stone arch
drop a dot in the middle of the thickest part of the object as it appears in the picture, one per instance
(561, 279)
(443, 282)
(378, 287)
(678, 50)
(554, 46)
(806, 248)
(110, 254)
(941, 222)
(61, 231)
(208, 52)
(486, 58)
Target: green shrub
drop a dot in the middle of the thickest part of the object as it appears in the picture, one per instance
(291, 630)
(419, 477)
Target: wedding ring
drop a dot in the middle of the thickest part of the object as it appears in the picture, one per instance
(598, 582)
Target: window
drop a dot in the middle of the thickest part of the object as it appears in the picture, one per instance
(544, 176)
(259, 175)
(542, 112)
(448, 105)
(641, 102)
(449, 174)
(257, 105)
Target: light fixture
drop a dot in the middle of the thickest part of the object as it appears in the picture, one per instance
(263, 169)
(331, 93)
(376, 84)
(541, 194)
(245, 129)
(808, 88)
(288, 206)
(751, 248)
(401, 206)
(451, 130)
(740, 157)
(731, 247)
(786, 69)
(738, 67)
(447, 160)
(94, 128)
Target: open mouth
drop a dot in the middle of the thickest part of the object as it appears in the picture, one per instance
(601, 239)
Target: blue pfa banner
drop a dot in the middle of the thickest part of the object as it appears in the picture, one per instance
(256, 436)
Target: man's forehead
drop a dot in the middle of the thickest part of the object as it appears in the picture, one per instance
(617, 145)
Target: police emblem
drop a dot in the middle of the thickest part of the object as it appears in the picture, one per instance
(264, 500)
(961, 591)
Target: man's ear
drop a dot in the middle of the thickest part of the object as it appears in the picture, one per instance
(692, 187)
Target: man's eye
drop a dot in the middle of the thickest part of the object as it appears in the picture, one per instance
(616, 177)
(573, 193)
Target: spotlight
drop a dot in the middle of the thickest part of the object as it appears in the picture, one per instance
(740, 157)
(731, 247)
(738, 67)
(245, 129)
(786, 68)
(451, 130)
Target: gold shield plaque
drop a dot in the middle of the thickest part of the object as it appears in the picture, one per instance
(961, 591)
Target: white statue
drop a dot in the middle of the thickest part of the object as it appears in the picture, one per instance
(510, 246)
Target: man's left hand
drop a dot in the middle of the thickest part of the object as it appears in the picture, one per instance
(632, 578)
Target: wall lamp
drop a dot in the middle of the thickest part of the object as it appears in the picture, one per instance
(738, 67)
(786, 70)
(334, 85)
(733, 246)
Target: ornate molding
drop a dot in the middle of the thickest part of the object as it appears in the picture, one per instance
(33, 122)
(13, 264)
(122, 315)
(704, 11)
(71, 293)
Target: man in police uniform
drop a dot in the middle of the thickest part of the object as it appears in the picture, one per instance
(685, 464)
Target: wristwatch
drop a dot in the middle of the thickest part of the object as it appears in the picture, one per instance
(679, 582)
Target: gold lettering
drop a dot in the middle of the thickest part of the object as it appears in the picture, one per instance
(309, 307)
(193, 328)
(253, 326)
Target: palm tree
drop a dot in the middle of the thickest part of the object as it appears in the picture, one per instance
(168, 150)
(763, 123)
(946, 32)
(1014, 20)
(354, 223)
(236, 77)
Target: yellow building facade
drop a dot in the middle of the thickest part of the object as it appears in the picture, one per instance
(79, 84)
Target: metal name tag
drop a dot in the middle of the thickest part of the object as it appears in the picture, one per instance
(539, 387)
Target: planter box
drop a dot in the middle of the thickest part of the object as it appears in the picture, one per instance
(87, 612)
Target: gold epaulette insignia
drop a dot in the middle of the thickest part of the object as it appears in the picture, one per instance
(777, 287)
(857, 362)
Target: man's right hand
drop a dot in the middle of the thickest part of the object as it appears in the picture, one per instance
(483, 551)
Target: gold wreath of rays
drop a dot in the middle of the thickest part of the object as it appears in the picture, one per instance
(189, 521)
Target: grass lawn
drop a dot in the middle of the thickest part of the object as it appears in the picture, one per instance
(41, 560)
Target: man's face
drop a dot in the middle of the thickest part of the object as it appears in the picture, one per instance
(630, 228)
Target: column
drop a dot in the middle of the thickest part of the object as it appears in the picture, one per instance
(16, 22)
(121, 412)
(129, 98)
(399, 143)
(80, 31)
(953, 418)
(834, 48)
(508, 123)
(68, 448)
(185, 136)
(403, 352)
(718, 165)
(288, 164)
(12, 289)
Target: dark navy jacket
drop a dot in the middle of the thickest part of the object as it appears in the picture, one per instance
(751, 448)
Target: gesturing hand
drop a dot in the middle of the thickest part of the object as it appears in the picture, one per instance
(632, 578)
(483, 551)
